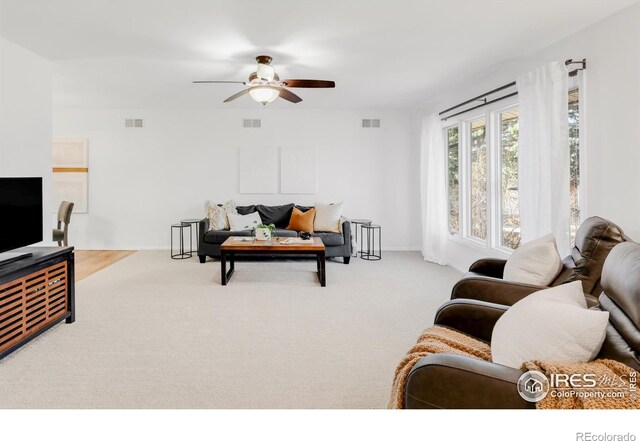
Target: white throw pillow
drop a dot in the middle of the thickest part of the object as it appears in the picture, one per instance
(328, 217)
(552, 325)
(536, 262)
(239, 222)
(218, 214)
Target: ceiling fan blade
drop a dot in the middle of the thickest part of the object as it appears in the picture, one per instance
(309, 83)
(237, 95)
(289, 96)
(216, 81)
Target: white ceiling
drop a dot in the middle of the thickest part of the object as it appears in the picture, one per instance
(382, 54)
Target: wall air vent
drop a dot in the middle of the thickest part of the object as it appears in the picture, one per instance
(370, 123)
(251, 123)
(131, 123)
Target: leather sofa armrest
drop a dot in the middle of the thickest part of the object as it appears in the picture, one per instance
(492, 290)
(472, 317)
(489, 267)
(447, 381)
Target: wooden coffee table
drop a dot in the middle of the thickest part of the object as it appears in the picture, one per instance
(233, 246)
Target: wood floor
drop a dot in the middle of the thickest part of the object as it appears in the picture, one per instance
(91, 261)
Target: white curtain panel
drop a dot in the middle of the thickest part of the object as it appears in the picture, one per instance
(433, 157)
(543, 161)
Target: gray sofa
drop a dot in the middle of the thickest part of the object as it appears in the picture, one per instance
(336, 244)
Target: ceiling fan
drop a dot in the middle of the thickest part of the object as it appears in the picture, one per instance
(265, 85)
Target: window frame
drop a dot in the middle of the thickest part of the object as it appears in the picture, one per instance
(497, 177)
(445, 135)
(467, 204)
(491, 115)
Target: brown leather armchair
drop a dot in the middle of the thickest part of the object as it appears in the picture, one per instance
(457, 382)
(594, 240)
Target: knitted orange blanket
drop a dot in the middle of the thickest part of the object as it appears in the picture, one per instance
(611, 377)
(434, 340)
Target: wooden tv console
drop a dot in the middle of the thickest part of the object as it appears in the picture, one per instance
(36, 293)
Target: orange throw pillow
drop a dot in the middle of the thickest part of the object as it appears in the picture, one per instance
(302, 221)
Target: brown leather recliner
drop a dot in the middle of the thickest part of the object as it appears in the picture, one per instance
(458, 382)
(595, 238)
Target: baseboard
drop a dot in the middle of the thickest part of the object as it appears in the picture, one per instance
(166, 248)
(460, 268)
(124, 247)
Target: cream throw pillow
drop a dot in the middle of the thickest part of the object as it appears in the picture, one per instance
(328, 217)
(536, 262)
(552, 325)
(218, 214)
(240, 222)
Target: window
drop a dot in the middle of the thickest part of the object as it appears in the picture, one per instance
(453, 184)
(478, 144)
(483, 174)
(509, 210)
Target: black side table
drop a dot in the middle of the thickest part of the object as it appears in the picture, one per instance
(358, 223)
(195, 222)
(372, 245)
(182, 254)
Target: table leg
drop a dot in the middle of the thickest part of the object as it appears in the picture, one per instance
(223, 268)
(322, 273)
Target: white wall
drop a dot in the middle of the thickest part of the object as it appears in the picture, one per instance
(610, 180)
(25, 119)
(142, 180)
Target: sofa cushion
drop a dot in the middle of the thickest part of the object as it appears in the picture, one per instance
(216, 237)
(241, 222)
(217, 214)
(281, 232)
(219, 236)
(245, 209)
(536, 262)
(330, 239)
(278, 215)
(549, 325)
(302, 221)
(328, 217)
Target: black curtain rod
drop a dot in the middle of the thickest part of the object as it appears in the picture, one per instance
(479, 97)
(485, 102)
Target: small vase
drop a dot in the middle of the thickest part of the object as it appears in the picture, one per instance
(263, 234)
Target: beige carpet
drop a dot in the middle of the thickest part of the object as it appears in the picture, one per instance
(152, 332)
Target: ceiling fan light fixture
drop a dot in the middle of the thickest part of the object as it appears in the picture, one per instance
(264, 94)
(265, 72)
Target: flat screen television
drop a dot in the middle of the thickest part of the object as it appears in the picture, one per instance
(20, 214)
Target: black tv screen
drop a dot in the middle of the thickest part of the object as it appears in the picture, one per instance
(20, 212)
